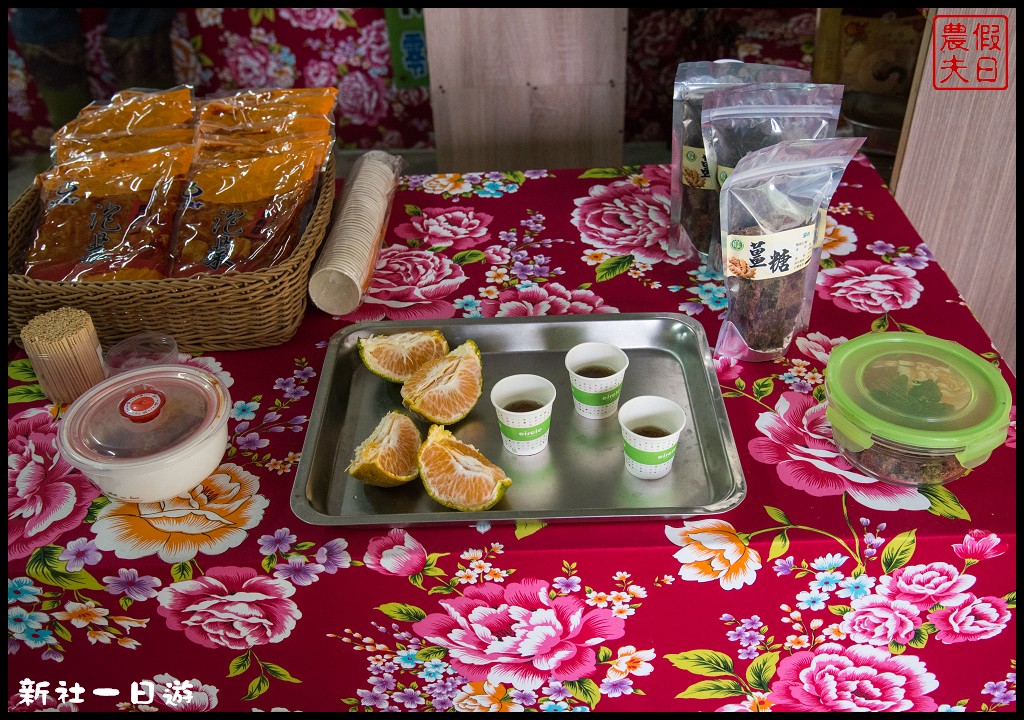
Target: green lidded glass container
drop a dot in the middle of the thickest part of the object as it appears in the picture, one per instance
(912, 409)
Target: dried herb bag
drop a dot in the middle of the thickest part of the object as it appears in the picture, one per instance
(740, 119)
(694, 207)
(773, 209)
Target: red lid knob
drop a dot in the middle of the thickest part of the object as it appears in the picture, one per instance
(142, 404)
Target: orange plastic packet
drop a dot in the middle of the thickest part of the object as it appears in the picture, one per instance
(243, 214)
(109, 218)
(74, 146)
(227, 148)
(136, 111)
(272, 134)
(257, 106)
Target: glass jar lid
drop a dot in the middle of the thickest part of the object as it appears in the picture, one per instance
(919, 391)
(153, 414)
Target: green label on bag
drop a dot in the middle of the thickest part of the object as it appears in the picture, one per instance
(695, 170)
(645, 457)
(597, 399)
(525, 434)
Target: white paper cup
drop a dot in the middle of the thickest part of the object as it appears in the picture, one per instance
(596, 397)
(523, 432)
(650, 457)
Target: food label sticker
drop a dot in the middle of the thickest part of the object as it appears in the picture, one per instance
(695, 170)
(757, 257)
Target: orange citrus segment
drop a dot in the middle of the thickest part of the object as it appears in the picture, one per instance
(444, 390)
(389, 456)
(457, 475)
(396, 357)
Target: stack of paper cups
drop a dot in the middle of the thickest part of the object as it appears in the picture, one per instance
(343, 270)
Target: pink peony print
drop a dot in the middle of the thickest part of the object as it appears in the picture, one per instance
(833, 678)
(410, 284)
(39, 703)
(375, 46)
(798, 441)
(519, 634)
(201, 697)
(397, 553)
(232, 607)
(46, 496)
(974, 619)
(628, 217)
(936, 583)
(876, 620)
(547, 299)
(727, 368)
(979, 545)
(310, 18)
(869, 286)
(457, 228)
(361, 98)
(319, 73)
(250, 64)
(818, 346)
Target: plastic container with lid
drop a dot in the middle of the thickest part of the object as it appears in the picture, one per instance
(914, 410)
(150, 434)
(142, 350)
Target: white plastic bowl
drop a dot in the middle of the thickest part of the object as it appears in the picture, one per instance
(150, 434)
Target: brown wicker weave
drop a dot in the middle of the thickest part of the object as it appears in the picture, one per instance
(218, 312)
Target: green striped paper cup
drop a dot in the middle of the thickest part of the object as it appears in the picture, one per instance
(651, 427)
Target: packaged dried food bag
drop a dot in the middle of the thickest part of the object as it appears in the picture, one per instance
(244, 214)
(228, 148)
(694, 205)
(74, 145)
(773, 208)
(268, 130)
(109, 218)
(256, 106)
(137, 111)
(273, 136)
(740, 119)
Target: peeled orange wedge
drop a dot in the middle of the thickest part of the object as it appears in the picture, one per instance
(457, 475)
(395, 357)
(389, 456)
(445, 389)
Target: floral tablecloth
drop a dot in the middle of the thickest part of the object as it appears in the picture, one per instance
(822, 590)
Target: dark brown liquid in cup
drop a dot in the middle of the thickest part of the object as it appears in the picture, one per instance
(651, 431)
(521, 406)
(595, 371)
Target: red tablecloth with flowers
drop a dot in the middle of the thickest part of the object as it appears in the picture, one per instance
(822, 590)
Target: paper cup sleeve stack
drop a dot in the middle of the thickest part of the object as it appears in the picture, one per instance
(342, 273)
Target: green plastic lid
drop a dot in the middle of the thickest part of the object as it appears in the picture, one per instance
(918, 391)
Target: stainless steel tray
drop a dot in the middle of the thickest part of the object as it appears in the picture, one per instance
(580, 475)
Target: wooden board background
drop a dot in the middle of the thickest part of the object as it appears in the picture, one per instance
(527, 88)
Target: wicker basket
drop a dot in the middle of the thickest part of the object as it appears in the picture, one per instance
(218, 312)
